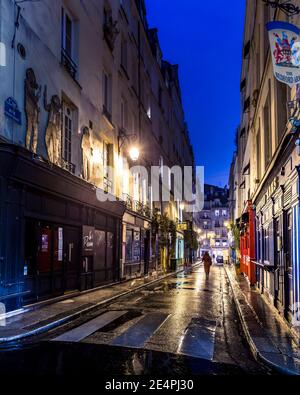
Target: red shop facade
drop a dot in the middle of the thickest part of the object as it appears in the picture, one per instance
(247, 243)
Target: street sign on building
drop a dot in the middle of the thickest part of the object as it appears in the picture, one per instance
(11, 110)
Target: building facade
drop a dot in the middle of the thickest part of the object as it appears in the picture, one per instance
(212, 223)
(264, 175)
(85, 95)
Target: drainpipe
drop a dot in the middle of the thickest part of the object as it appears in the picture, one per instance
(2, 45)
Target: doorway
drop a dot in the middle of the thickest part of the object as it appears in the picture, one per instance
(52, 257)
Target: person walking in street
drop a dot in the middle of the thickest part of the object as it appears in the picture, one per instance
(207, 263)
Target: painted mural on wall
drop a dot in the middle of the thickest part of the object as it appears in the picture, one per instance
(32, 110)
(53, 130)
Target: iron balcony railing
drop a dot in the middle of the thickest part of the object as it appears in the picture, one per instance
(136, 206)
(107, 185)
(68, 63)
(66, 165)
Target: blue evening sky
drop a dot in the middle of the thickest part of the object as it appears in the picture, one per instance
(205, 39)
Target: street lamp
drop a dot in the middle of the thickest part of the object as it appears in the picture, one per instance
(288, 8)
(182, 206)
(134, 152)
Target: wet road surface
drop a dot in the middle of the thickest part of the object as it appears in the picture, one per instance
(182, 325)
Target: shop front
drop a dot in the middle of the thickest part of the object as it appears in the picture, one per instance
(56, 238)
(278, 243)
(247, 243)
(136, 252)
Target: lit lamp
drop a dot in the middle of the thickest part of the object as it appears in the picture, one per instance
(199, 231)
(182, 206)
(134, 153)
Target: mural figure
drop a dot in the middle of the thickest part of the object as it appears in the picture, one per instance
(32, 110)
(53, 131)
(87, 154)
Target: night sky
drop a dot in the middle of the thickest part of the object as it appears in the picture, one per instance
(205, 39)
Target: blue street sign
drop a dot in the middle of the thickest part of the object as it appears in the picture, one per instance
(11, 110)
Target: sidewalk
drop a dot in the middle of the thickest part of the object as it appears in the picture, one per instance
(269, 338)
(35, 320)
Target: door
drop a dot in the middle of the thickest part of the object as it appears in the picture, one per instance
(110, 272)
(99, 256)
(279, 267)
(288, 273)
(71, 256)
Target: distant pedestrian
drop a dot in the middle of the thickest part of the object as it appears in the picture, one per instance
(207, 263)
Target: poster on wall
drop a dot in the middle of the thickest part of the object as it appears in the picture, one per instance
(285, 49)
(88, 240)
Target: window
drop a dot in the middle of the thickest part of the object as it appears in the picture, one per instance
(108, 163)
(247, 104)
(247, 49)
(134, 66)
(289, 243)
(124, 113)
(68, 43)
(107, 94)
(160, 96)
(266, 245)
(217, 213)
(67, 130)
(267, 129)
(258, 155)
(134, 124)
(148, 106)
(124, 54)
(281, 90)
(224, 213)
(243, 84)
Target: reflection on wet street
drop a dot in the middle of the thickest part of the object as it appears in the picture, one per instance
(181, 325)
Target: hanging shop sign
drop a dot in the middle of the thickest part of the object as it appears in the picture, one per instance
(11, 110)
(182, 226)
(285, 49)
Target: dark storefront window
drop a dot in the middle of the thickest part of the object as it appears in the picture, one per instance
(289, 239)
(266, 244)
(134, 245)
(129, 245)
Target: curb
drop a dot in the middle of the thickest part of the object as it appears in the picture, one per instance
(255, 351)
(71, 317)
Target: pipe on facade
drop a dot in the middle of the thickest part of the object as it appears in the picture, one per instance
(2, 45)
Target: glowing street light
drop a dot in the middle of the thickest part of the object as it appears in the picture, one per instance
(134, 154)
(182, 206)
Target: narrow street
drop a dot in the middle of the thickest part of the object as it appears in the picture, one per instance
(181, 325)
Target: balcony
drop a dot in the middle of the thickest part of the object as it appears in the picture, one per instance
(136, 206)
(107, 185)
(107, 114)
(110, 32)
(68, 166)
(68, 63)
